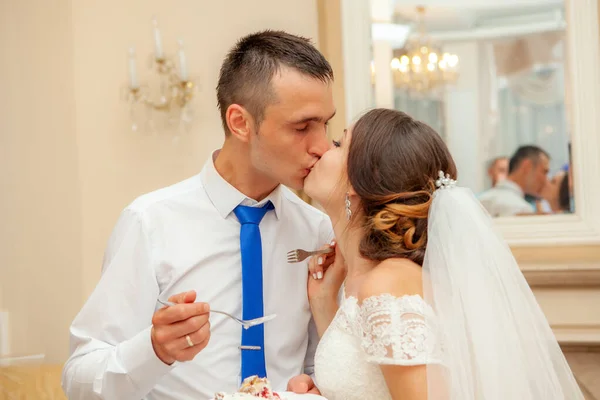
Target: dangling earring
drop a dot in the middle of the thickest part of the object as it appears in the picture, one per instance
(348, 210)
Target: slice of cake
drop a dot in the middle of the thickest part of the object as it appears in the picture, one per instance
(252, 387)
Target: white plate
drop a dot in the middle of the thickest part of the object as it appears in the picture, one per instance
(294, 396)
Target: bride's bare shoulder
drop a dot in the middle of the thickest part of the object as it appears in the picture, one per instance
(395, 276)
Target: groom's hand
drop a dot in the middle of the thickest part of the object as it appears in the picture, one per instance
(302, 384)
(181, 331)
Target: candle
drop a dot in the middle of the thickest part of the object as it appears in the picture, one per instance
(133, 82)
(182, 64)
(158, 52)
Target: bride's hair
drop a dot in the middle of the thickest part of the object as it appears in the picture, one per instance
(393, 161)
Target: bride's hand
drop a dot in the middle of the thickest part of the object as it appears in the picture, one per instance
(326, 274)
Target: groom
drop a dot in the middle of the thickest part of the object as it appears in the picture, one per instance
(197, 243)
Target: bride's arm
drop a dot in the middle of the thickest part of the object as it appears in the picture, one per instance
(394, 331)
(324, 282)
(323, 312)
(406, 383)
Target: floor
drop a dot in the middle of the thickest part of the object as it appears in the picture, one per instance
(585, 364)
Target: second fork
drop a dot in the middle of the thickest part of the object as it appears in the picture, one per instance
(298, 255)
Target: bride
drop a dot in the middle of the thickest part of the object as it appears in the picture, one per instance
(434, 305)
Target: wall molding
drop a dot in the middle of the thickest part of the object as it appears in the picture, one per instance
(586, 335)
(573, 275)
(579, 282)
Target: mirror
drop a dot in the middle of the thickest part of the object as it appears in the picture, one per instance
(491, 80)
(498, 82)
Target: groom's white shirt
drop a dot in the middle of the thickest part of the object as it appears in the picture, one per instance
(506, 199)
(186, 237)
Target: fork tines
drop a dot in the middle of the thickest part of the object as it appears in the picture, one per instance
(293, 256)
(301, 255)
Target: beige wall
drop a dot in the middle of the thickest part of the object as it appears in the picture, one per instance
(40, 196)
(330, 40)
(68, 161)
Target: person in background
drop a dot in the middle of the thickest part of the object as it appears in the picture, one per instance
(497, 170)
(569, 170)
(527, 175)
(565, 197)
(556, 193)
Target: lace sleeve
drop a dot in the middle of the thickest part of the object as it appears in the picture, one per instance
(397, 330)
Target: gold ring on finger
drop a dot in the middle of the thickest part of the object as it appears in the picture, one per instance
(189, 341)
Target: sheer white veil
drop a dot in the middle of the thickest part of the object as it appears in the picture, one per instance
(495, 341)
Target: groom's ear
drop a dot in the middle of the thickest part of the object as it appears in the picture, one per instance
(239, 122)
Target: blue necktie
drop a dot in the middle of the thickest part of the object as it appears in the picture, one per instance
(253, 339)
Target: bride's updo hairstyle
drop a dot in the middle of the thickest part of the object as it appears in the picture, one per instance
(393, 161)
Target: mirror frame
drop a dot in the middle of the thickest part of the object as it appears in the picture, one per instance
(583, 50)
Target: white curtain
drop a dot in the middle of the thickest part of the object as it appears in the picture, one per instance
(532, 111)
(489, 114)
(428, 110)
(527, 95)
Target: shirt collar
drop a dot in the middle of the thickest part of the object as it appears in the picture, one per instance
(512, 186)
(225, 197)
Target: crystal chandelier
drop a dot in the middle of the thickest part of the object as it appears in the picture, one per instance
(422, 66)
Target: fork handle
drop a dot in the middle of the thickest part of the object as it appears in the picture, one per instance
(322, 251)
(171, 304)
(166, 303)
(226, 314)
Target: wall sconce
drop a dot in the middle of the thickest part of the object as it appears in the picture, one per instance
(172, 100)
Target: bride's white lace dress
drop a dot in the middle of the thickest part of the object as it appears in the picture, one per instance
(382, 330)
(497, 343)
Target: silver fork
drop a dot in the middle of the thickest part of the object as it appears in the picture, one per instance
(246, 323)
(298, 255)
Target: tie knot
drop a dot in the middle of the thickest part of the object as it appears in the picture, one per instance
(252, 215)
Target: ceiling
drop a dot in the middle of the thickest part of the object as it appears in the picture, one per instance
(460, 15)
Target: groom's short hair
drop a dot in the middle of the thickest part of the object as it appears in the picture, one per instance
(246, 73)
(523, 153)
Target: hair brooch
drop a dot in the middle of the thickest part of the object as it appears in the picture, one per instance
(444, 181)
